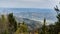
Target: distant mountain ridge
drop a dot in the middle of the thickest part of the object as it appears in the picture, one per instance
(31, 13)
(30, 23)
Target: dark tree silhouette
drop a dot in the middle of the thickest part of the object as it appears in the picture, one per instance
(56, 9)
(57, 24)
(12, 23)
(44, 31)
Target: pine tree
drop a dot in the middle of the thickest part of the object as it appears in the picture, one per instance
(51, 29)
(57, 24)
(12, 23)
(44, 27)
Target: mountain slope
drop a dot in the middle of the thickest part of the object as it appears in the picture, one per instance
(30, 23)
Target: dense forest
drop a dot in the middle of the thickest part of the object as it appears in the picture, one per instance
(9, 25)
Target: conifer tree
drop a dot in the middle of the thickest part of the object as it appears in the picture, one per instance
(12, 23)
(44, 27)
(57, 24)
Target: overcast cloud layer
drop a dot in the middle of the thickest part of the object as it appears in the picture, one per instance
(28, 3)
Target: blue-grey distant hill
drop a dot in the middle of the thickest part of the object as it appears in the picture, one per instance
(32, 13)
(32, 24)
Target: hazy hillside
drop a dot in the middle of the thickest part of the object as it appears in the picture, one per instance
(31, 23)
(32, 13)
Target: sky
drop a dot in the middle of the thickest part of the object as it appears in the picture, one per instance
(29, 3)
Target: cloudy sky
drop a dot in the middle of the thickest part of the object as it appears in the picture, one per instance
(28, 3)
